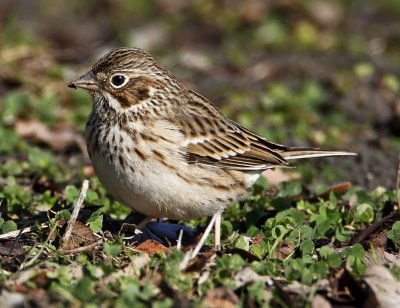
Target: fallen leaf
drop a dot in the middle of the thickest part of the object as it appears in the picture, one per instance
(339, 189)
(81, 235)
(88, 171)
(284, 250)
(11, 248)
(58, 138)
(151, 247)
(31, 60)
(221, 297)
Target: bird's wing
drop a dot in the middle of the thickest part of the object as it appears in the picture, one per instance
(212, 139)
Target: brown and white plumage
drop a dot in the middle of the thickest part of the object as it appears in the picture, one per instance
(166, 151)
(213, 139)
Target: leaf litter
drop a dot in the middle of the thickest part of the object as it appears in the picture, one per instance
(295, 244)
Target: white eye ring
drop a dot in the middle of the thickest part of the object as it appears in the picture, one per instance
(118, 80)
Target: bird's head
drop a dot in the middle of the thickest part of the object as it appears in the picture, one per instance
(126, 77)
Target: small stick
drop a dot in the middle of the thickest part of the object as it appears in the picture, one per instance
(185, 261)
(398, 186)
(217, 231)
(77, 207)
(86, 248)
(204, 236)
(16, 233)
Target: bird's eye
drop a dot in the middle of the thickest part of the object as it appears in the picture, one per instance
(118, 81)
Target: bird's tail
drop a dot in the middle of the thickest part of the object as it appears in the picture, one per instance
(298, 153)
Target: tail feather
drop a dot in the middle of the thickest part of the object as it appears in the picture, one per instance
(299, 153)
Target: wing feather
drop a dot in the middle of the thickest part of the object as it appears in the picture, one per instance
(212, 139)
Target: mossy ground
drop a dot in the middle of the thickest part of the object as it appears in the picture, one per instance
(314, 73)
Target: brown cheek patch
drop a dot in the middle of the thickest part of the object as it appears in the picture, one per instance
(134, 92)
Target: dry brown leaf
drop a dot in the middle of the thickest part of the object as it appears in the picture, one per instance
(151, 247)
(30, 60)
(59, 138)
(340, 189)
(81, 235)
(284, 250)
(221, 297)
(11, 248)
(88, 171)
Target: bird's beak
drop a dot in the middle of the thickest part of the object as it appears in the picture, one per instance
(87, 82)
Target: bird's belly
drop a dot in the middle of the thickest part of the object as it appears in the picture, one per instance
(124, 186)
(150, 172)
(156, 190)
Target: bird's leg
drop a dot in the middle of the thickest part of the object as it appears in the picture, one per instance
(144, 222)
(216, 217)
(217, 231)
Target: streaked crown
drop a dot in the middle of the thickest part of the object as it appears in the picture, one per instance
(125, 60)
(126, 77)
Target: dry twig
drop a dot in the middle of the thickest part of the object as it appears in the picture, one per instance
(14, 234)
(87, 248)
(398, 186)
(77, 206)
